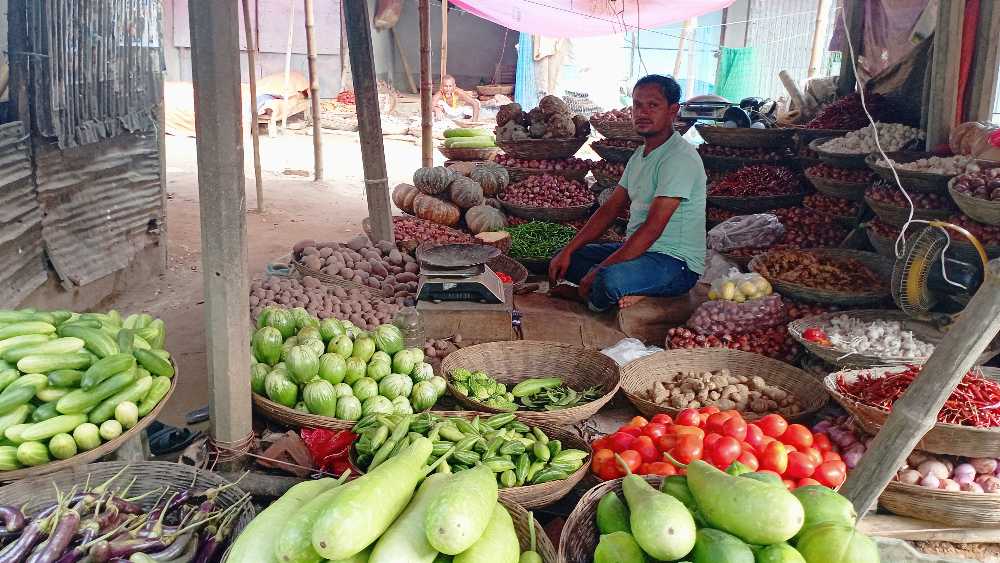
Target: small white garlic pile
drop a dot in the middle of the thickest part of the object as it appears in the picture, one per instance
(876, 338)
(946, 165)
(893, 137)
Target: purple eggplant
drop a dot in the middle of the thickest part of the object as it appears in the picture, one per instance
(12, 517)
(19, 550)
(62, 534)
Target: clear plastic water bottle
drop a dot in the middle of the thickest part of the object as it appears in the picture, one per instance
(408, 321)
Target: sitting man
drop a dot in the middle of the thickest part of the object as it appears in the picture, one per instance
(453, 102)
(663, 189)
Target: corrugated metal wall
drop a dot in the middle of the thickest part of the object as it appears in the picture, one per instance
(781, 31)
(21, 250)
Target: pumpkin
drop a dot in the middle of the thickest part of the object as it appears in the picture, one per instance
(433, 180)
(492, 177)
(438, 211)
(483, 218)
(402, 196)
(466, 193)
(462, 168)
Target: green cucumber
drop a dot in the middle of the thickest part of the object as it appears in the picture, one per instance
(155, 364)
(96, 340)
(405, 540)
(35, 381)
(45, 363)
(8, 458)
(140, 343)
(32, 453)
(462, 132)
(13, 433)
(56, 425)
(16, 341)
(126, 340)
(11, 316)
(130, 321)
(459, 515)
(16, 416)
(65, 378)
(44, 412)
(66, 345)
(105, 368)
(51, 394)
(158, 390)
(497, 544)
(153, 333)
(163, 354)
(27, 327)
(10, 399)
(133, 393)
(80, 401)
(79, 323)
(7, 377)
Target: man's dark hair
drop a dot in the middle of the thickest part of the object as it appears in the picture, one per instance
(668, 86)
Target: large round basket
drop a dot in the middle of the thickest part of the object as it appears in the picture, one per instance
(543, 545)
(883, 246)
(616, 129)
(97, 453)
(552, 214)
(981, 210)
(638, 377)
(328, 279)
(897, 216)
(160, 478)
(542, 149)
(880, 265)
(503, 263)
(924, 182)
(715, 162)
(746, 137)
(579, 534)
(948, 439)
(465, 155)
(494, 89)
(854, 191)
(756, 204)
(839, 159)
(805, 135)
(292, 418)
(953, 509)
(512, 362)
(518, 174)
(536, 265)
(605, 180)
(618, 155)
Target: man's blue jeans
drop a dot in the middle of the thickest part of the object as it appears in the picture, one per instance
(653, 274)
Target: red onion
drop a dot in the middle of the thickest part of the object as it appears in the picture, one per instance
(930, 480)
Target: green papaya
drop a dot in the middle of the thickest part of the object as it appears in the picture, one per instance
(612, 514)
(618, 547)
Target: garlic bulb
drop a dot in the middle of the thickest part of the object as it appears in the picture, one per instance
(877, 338)
(948, 165)
(892, 136)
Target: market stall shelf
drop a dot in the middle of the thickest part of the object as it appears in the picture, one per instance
(953, 509)
(639, 376)
(512, 362)
(746, 137)
(542, 149)
(879, 265)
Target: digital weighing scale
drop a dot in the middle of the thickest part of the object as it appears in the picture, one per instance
(477, 284)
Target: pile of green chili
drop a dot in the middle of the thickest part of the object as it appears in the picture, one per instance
(539, 239)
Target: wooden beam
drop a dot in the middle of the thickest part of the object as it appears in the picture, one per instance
(819, 37)
(945, 67)
(215, 53)
(288, 61)
(685, 31)
(426, 87)
(369, 121)
(916, 411)
(853, 14)
(444, 38)
(982, 90)
(254, 117)
(314, 92)
(406, 64)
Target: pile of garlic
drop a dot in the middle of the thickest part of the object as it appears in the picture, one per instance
(892, 136)
(945, 165)
(876, 338)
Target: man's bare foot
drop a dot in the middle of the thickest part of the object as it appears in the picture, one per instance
(566, 291)
(630, 300)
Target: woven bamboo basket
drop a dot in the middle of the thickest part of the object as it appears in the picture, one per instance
(713, 162)
(544, 494)
(327, 279)
(518, 174)
(107, 448)
(542, 149)
(605, 180)
(854, 191)
(494, 89)
(953, 509)
(615, 130)
(947, 439)
(294, 419)
(805, 135)
(746, 137)
(639, 375)
(579, 534)
(552, 214)
(880, 265)
(883, 246)
(467, 155)
(897, 216)
(849, 221)
(839, 159)
(503, 263)
(912, 180)
(618, 155)
(512, 362)
(35, 493)
(981, 210)
(536, 265)
(407, 245)
(757, 204)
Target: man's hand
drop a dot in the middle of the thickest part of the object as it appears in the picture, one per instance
(587, 282)
(559, 266)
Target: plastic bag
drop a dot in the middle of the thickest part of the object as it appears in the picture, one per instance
(977, 139)
(716, 266)
(719, 317)
(739, 287)
(758, 230)
(330, 449)
(628, 349)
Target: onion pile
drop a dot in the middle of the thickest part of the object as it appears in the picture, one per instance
(891, 195)
(623, 115)
(721, 317)
(950, 473)
(758, 180)
(615, 169)
(805, 228)
(892, 137)
(321, 301)
(982, 185)
(548, 191)
(773, 342)
(836, 206)
(618, 143)
(571, 163)
(420, 230)
(946, 165)
(756, 153)
(857, 175)
(987, 234)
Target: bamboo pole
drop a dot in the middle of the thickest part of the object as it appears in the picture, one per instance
(688, 25)
(444, 38)
(314, 92)
(426, 86)
(288, 61)
(254, 117)
(853, 13)
(819, 37)
(406, 64)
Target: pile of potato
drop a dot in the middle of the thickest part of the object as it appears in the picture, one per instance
(723, 390)
(362, 309)
(379, 266)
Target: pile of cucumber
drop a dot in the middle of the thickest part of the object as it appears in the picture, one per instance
(515, 453)
(69, 381)
(468, 139)
(385, 517)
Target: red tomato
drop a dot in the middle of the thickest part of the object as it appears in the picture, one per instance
(662, 468)
(643, 469)
(636, 422)
(687, 449)
(633, 430)
(773, 425)
(716, 422)
(724, 451)
(815, 455)
(807, 481)
(632, 459)
(798, 436)
(646, 448)
(710, 440)
(831, 456)
(800, 466)
(685, 431)
(746, 447)
(605, 466)
(620, 441)
(749, 460)
(754, 435)
(790, 448)
(822, 442)
(667, 442)
(704, 413)
(688, 417)
(831, 473)
(662, 418)
(790, 485)
(735, 427)
(602, 443)
(654, 430)
(763, 443)
(774, 457)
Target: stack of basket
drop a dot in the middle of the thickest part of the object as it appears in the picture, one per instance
(619, 142)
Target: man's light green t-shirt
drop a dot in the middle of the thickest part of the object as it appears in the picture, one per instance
(673, 169)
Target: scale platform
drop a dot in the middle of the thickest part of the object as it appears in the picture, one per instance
(475, 284)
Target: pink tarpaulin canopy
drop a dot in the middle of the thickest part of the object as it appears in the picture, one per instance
(578, 18)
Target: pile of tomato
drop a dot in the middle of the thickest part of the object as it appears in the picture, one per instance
(769, 444)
